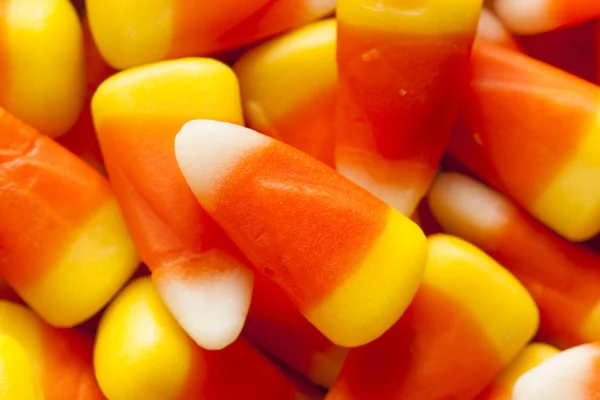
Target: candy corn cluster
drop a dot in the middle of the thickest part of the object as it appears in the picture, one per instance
(300, 200)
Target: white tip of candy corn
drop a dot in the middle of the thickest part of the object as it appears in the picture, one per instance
(466, 207)
(525, 17)
(207, 151)
(211, 310)
(567, 375)
(321, 7)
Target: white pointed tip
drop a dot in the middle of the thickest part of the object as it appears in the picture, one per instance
(211, 309)
(490, 28)
(567, 375)
(207, 150)
(321, 7)
(525, 17)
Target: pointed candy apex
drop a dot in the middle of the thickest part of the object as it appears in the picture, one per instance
(206, 150)
(525, 16)
(212, 311)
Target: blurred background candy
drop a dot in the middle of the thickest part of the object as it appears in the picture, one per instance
(41, 63)
(179, 28)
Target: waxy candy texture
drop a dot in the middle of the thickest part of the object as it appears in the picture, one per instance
(137, 113)
(533, 132)
(328, 243)
(142, 353)
(402, 72)
(41, 63)
(562, 277)
(448, 344)
(64, 246)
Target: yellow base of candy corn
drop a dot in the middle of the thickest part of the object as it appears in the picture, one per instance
(99, 261)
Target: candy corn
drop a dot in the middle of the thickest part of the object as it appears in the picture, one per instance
(531, 356)
(491, 29)
(62, 358)
(563, 278)
(81, 138)
(329, 244)
(534, 16)
(137, 113)
(41, 63)
(178, 28)
(469, 319)
(402, 69)
(572, 374)
(17, 373)
(533, 132)
(64, 246)
(142, 353)
(289, 87)
(276, 327)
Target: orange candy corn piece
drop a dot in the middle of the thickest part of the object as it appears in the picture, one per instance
(179, 28)
(573, 374)
(531, 356)
(535, 16)
(449, 344)
(563, 278)
(533, 132)
(139, 340)
(280, 101)
(137, 113)
(62, 357)
(401, 70)
(64, 246)
(41, 63)
(276, 327)
(329, 244)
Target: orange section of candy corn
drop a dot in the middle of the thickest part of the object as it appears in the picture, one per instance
(62, 235)
(449, 335)
(276, 327)
(274, 202)
(200, 275)
(563, 278)
(533, 131)
(402, 69)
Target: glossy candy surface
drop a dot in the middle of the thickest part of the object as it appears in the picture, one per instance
(64, 246)
(447, 335)
(402, 69)
(289, 88)
(563, 278)
(274, 202)
(197, 270)
(533, 132)
(41, 63)
(142, 353)
(182, 28)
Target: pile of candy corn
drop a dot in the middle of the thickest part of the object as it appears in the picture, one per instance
(300, 199)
